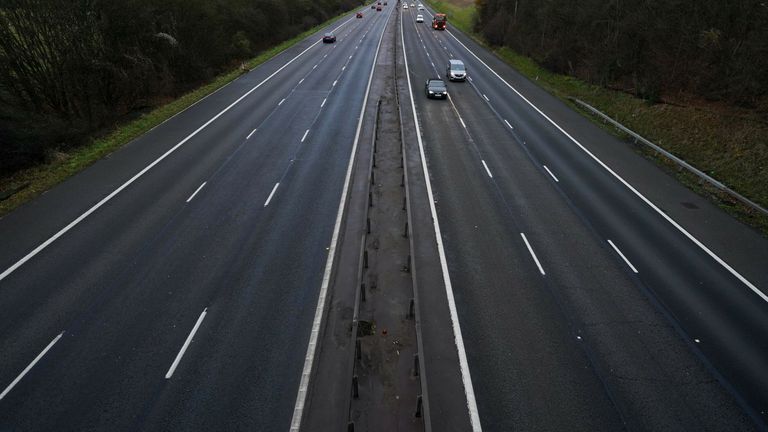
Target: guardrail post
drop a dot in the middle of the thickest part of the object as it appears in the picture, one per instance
(418, 406)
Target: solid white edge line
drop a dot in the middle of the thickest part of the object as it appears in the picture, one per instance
(550, 173)
(486, 168)
(469, 392)
(486, 98)
(30, 366)
(305, 135)
(462, 122)
(334, 83)
(281, 102)
(186, 345)
(301, 80)
(309, 358)
(196, 191)
(250, 134)
(533, 254)
(637, 193)
(622, 256)
(510, 126)
(136, 176)
(271, 194)
(323, 104)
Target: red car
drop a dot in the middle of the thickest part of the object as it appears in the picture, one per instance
(359, 15)
(378, 8)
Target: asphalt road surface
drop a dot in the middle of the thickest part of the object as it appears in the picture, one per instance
(185, 301)
(594, 293)
(173, 285)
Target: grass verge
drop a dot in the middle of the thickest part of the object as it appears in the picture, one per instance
(461, 16)
(27, 184)
(728, 143)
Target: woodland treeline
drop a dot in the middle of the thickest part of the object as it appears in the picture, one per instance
(72, 68)
(712, 49)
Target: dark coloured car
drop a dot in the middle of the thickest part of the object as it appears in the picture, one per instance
(359, 15)
(378, 8)
(435, 88)
(373, 6)
(329, 38)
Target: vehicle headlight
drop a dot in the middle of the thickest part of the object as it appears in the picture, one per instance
(431, 92)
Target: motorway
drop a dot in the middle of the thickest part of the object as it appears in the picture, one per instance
(183, 296)
(583, 305)
(174, 285)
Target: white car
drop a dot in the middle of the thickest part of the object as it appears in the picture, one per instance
(421, 6)
(419, 18)
(405, 6)
(412, 5)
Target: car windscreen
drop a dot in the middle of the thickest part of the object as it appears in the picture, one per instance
(457, 67)
(436, 85)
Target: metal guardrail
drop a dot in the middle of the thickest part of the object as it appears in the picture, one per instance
(697, 172)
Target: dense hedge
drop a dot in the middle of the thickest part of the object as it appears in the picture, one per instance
(715, 49)
(71, 68)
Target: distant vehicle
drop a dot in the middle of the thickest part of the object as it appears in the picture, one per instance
(373, 6)
(435, 88)
(378, 8)
(440, 21)
(456, 71)
(405, 5)
(420, 18)
(421, 6)
(385, 3)
(329, 38)
(359, 15)
(413, 5)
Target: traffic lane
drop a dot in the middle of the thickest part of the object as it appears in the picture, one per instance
(315, 181)
(29, 304)
(170, 281)
(502, 298)
(34, 222)
(205, 154)
(708, 302)
(715, 228)
(678, 255)
(594, 288)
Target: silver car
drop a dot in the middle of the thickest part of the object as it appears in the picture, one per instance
(456, 71)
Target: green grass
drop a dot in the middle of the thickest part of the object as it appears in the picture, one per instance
(462, 17)
(38, 179)
(726, 142)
